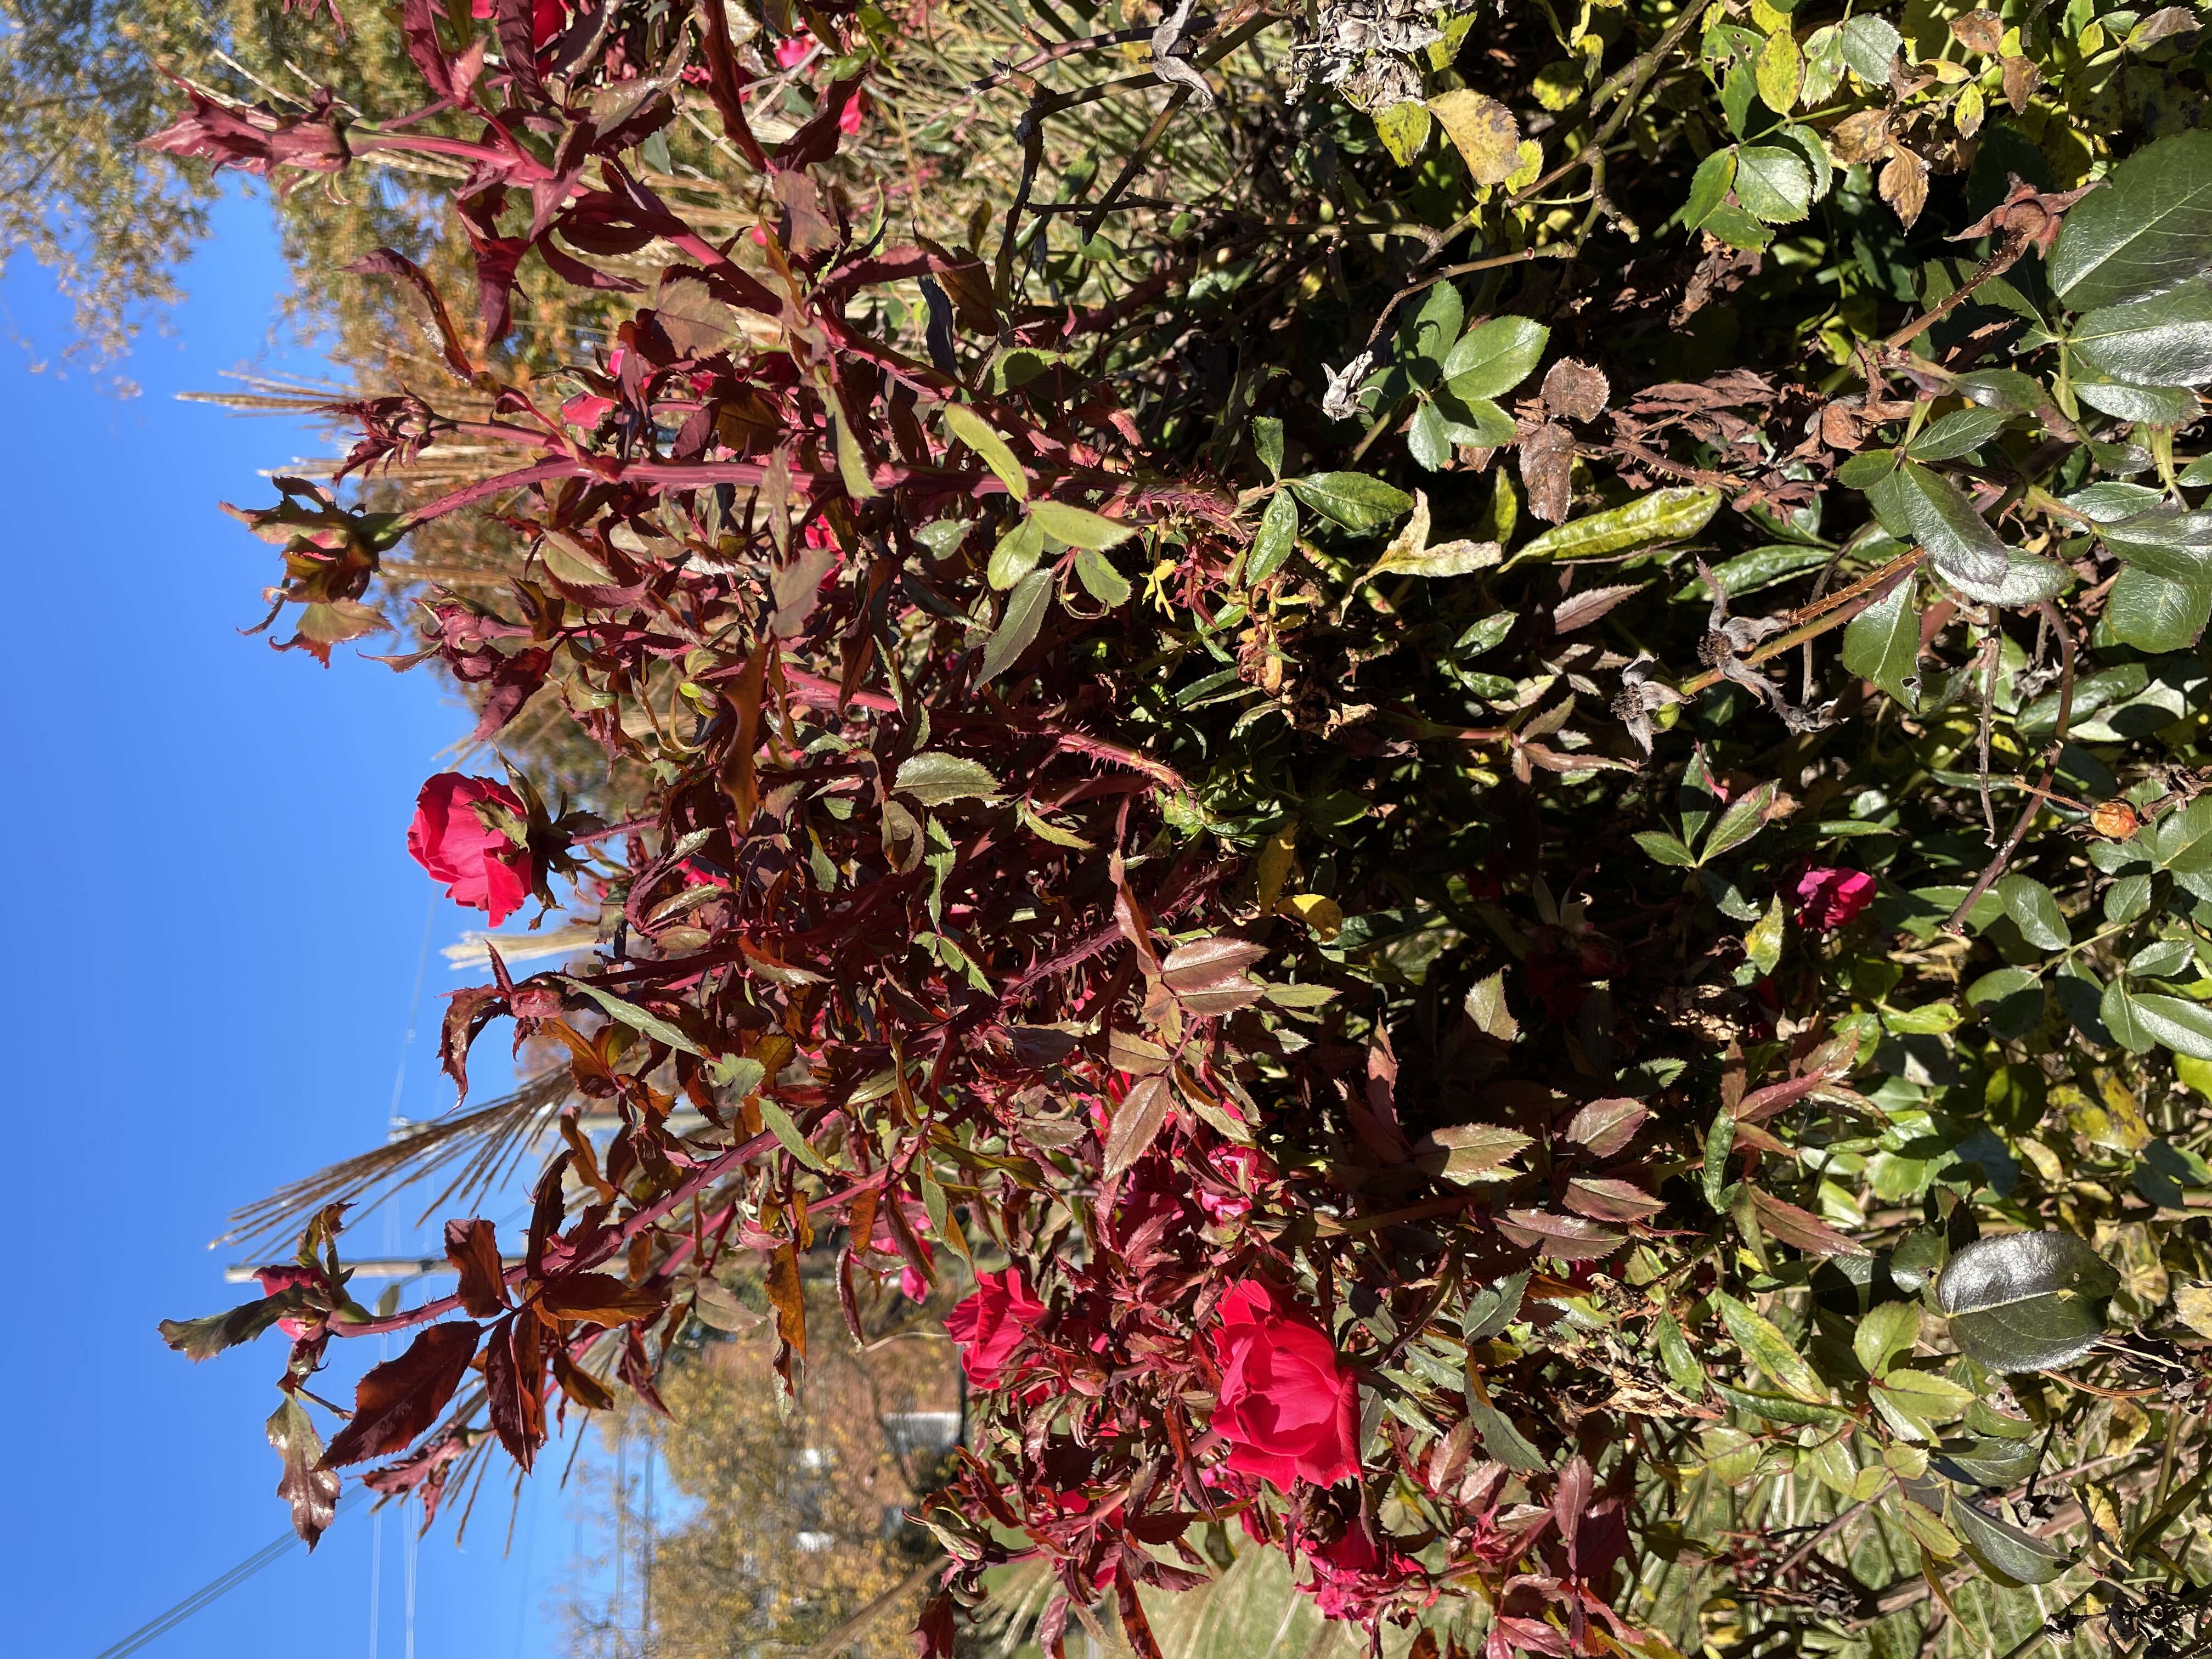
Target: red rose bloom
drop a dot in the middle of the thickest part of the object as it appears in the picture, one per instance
(1832, 898)
(546, 17)
(992, 1323)
(481, 866)
(1288, 1406)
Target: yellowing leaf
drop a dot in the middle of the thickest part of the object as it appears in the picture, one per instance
(2194, 1303)
(1781, 72)
(1928, 1531)
(1322, 914)
(1274, 864)
(1483, 132)
(1765, 1346)
(1405, 130)
(972, 429)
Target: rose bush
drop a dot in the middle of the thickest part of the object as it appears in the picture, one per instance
(1206, 740)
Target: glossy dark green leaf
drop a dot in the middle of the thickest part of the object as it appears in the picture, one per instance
(1475, 421)
(2001, 388)
(1882, 644)
(2025, 1302)
(2165, 541)
(1744, 818)
(1927, 509)
(2146, 230)
(1491, 358)
(1869, 45)
(1990, 1461)
(2161, 958)
(2182, 841)
(2153, 405)
(2005, 1550)
(1709, 186)
(1429, 437)
(2153, 613)
(1763, 566)
(1080, 527)
(1959, 433)
(1277, 537)
(2025, 581)
(204, 1338)
(2035, 912)
(2114, 502)
(1500, 1438)
(1361, 503)
(1492, 1308)
(1100, 580)
(1433, 329)
(1865, 471)
(1267, 443)
(936, 780)
(1018, 627)
(2164, 341)
(2173, 1023)
(1775, 1408)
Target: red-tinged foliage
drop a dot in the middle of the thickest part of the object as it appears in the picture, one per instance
(1063, 848)
(399, 1399)
(473, 1248)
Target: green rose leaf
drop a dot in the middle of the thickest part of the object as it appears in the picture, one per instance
(2026, 1302)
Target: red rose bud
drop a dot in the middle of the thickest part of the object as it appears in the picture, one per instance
(481, 864)
(1288, 1406)
(990, 1325)
(275, 1280)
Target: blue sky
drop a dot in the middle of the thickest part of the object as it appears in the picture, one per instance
(217, 929)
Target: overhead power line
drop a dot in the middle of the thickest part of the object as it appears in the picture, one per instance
(213, 1590)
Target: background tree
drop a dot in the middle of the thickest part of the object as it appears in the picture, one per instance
(788, 1518)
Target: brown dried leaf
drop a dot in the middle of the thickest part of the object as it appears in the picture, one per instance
(1547, 460)
(1979, 31)
(599, 1298)
(584, 1390)
(1904, 185)
(787, 1296)
(1575, 390)
(1581, 609)
(1861, 138)
(514, 1385)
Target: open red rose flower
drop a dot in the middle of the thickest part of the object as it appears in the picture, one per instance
(1288, 1406)
(481, 864)
(992, 1323)
(1832, 898)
